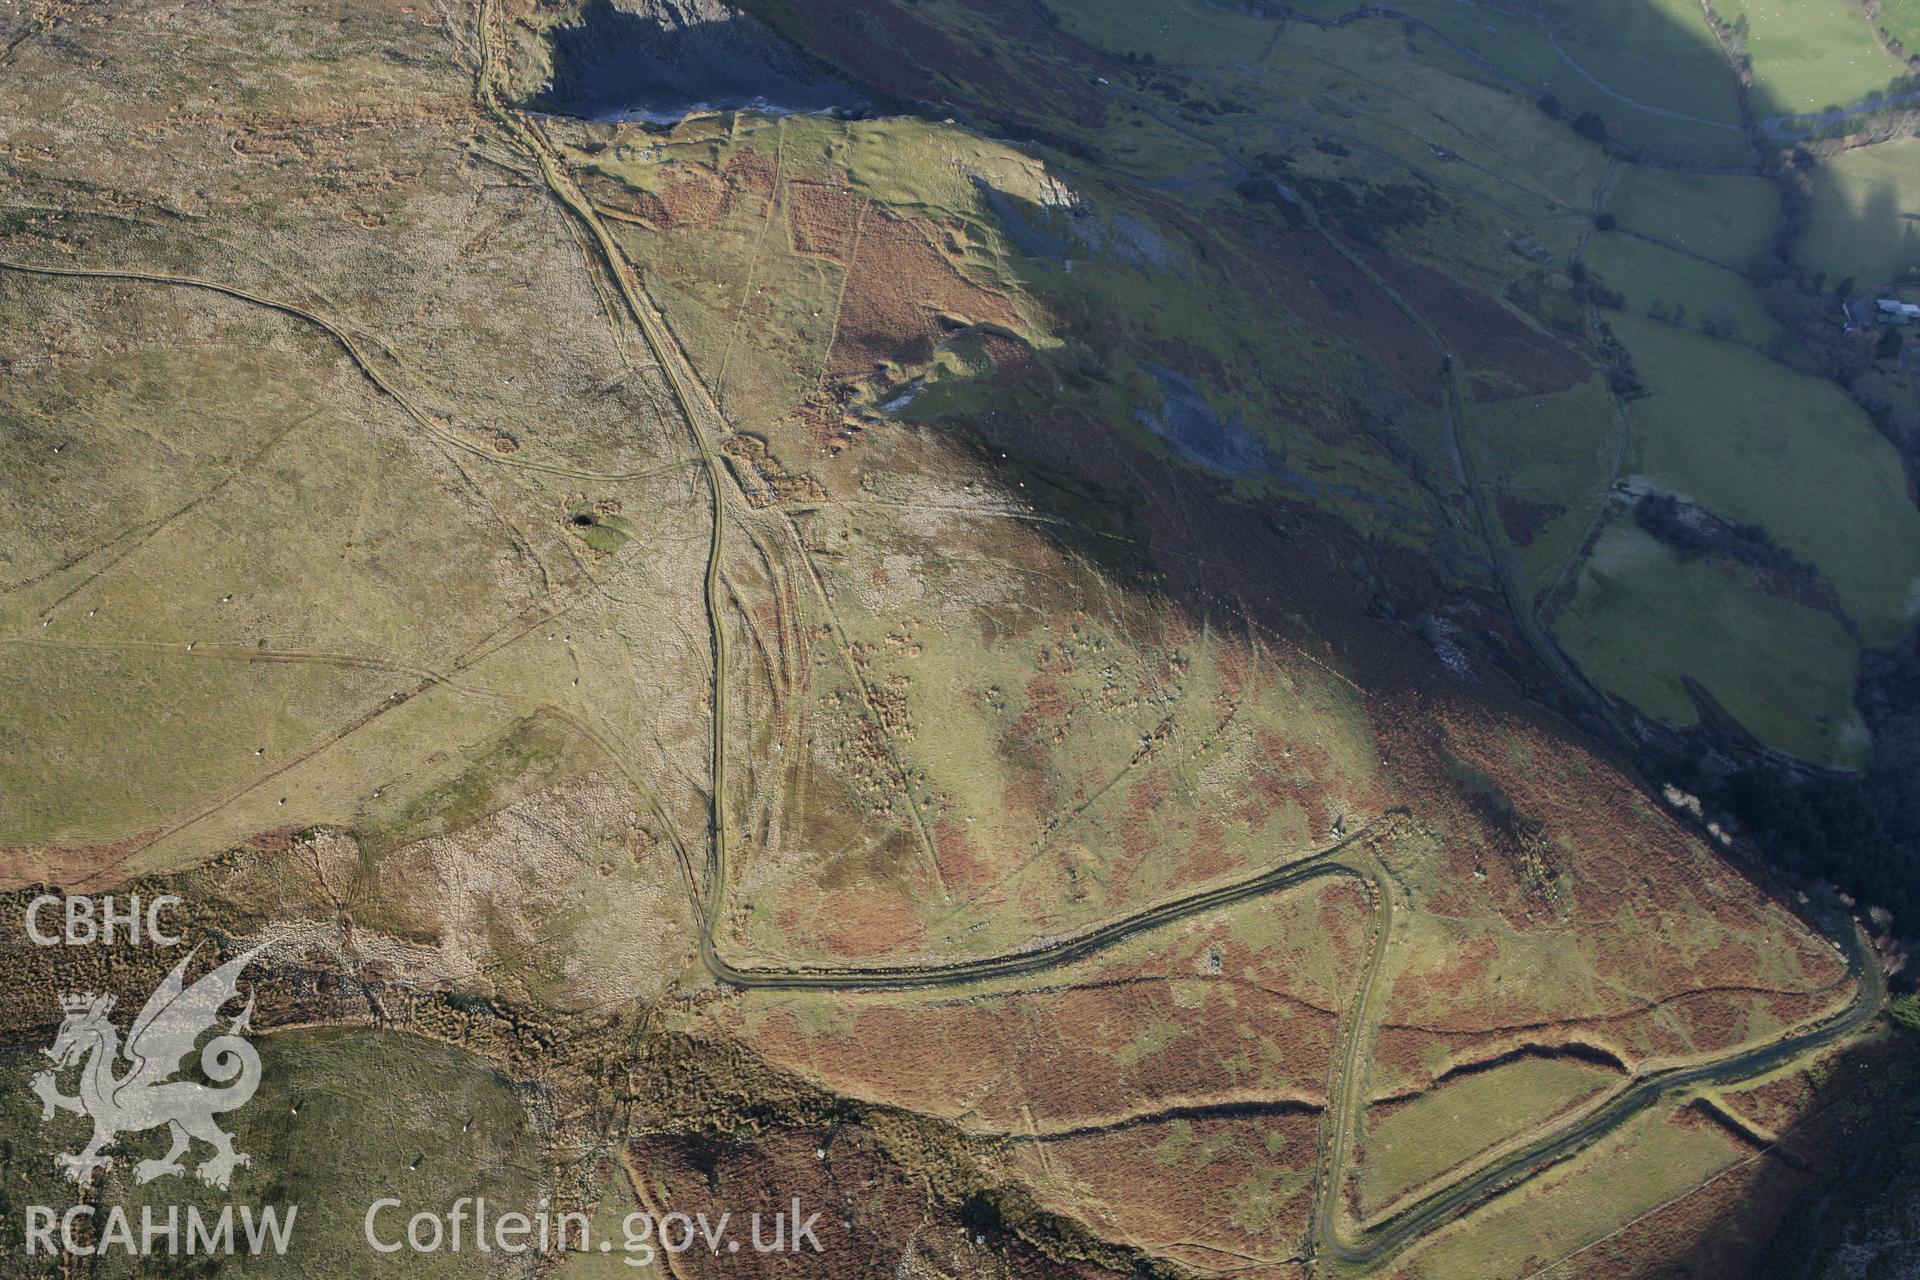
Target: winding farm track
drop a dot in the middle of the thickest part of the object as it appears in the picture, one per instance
(1333, 1239)
(1370, 1243)
(1050, 953)
(1383, 1239)
(1379, 1240)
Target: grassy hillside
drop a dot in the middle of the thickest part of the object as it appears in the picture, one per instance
(1644, 621)
(1066, 668)
(1746, 438)
(1727, 219)
(1866, 215)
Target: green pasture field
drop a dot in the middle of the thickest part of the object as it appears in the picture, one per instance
(1901, 20)
(1413, 103)
(1807, 57)
(1643, 618)
(1866, 215)
(1658, 85)
(1417, 1141)
(1719, 216)
(1659, 51)
(1750, 439)
(1646, 1163)
(1655, 280)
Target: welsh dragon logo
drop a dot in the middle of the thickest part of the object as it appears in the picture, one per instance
(143, 1096)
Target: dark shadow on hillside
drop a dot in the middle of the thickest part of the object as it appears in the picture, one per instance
(655, 61)
(1002, 59)
(1200, 507)
(1006, 67)
(1837, 1195)
(1181, 529)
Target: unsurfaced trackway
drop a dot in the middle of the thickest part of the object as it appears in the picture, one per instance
(1648, 1088)
(1051, 953)
(1333, 1238)
(1351, 857)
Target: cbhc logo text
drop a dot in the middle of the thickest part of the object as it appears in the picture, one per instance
(83, 921)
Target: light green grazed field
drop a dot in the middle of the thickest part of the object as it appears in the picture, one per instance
(1810, 56)
(1901, 20)
(1557, 451)
(1722, 217)
(1656, 281)
(1419, 1140)
(1866, 215)
(1756, 442)
(1643, 619)
(1652, 1160)
(1656, 77)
